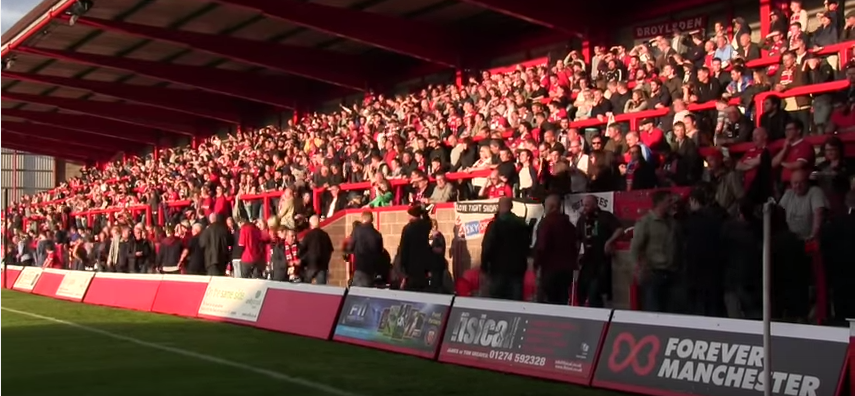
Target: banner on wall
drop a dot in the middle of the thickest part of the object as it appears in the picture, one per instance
(404, 322)
(667, 28)
(27, 279)
(546, 341)
(573, 204)
(666, 355)
(474, 216)
(74, 284)
(231, 298)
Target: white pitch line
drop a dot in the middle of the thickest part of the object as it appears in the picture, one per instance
(183, 352)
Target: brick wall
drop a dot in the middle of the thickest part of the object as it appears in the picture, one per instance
(390, 223)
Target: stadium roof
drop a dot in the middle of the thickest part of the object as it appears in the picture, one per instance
(129, 73)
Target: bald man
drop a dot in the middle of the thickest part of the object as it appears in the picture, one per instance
(316, 249)
(597, 231)
(193, 257)
(504, 253)
(216, 241)
(555, 254)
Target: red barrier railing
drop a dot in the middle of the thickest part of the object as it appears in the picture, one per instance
(815, 140)
(111, 213)
(843, 50)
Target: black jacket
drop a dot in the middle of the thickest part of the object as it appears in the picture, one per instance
(195, 256)
(702, 252)
(216, 241)
(340, 204)
(504, 250)
(366, 243)
(414, 251)
(316, 249)
(169, 252)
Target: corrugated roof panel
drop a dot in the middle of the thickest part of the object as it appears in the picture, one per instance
(196, 58)
(163, 13)
(156, 51)
(109, 43)
(219, 19)
(264, 30)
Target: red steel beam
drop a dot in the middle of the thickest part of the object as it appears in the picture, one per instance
(132, 114)
(409, 37)
(331, 67)
(262, 89)
(657, 9)
(195, 103)
(41, 140)
(63, 156)
(90, 125)
(65, 134)
(64, 153)
(554, 14)
(37, 27)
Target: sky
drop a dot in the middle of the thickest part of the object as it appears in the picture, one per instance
(12, 10)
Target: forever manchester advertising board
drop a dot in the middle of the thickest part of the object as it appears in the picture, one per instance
(397, 321)
(669, 355)
(538, 340)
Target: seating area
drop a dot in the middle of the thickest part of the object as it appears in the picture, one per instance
(510, 120)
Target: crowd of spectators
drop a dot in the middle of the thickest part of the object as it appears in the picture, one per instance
(517, 130)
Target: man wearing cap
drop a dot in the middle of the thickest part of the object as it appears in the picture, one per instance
(835, 14)
(848, 31)
(826, 34)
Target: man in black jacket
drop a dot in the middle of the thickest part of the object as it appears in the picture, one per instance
(316, 249)
(366, 243)
(216, 241)
(703, 254)
(837, 251)
(504, 253)
(415, 253)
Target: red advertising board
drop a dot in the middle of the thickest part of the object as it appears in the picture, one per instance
(49, 282)
(300, 308)
(131, 291)
(180, 294)
(10, 274)
(669, 355)
(547, 341)
(395, 321)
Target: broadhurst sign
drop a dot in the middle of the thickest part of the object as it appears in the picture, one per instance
(539, 340)
(666, 355)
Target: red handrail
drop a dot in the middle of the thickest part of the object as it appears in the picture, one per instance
(842, 49)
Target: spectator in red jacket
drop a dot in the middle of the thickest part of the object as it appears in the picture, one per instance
(252, 261)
